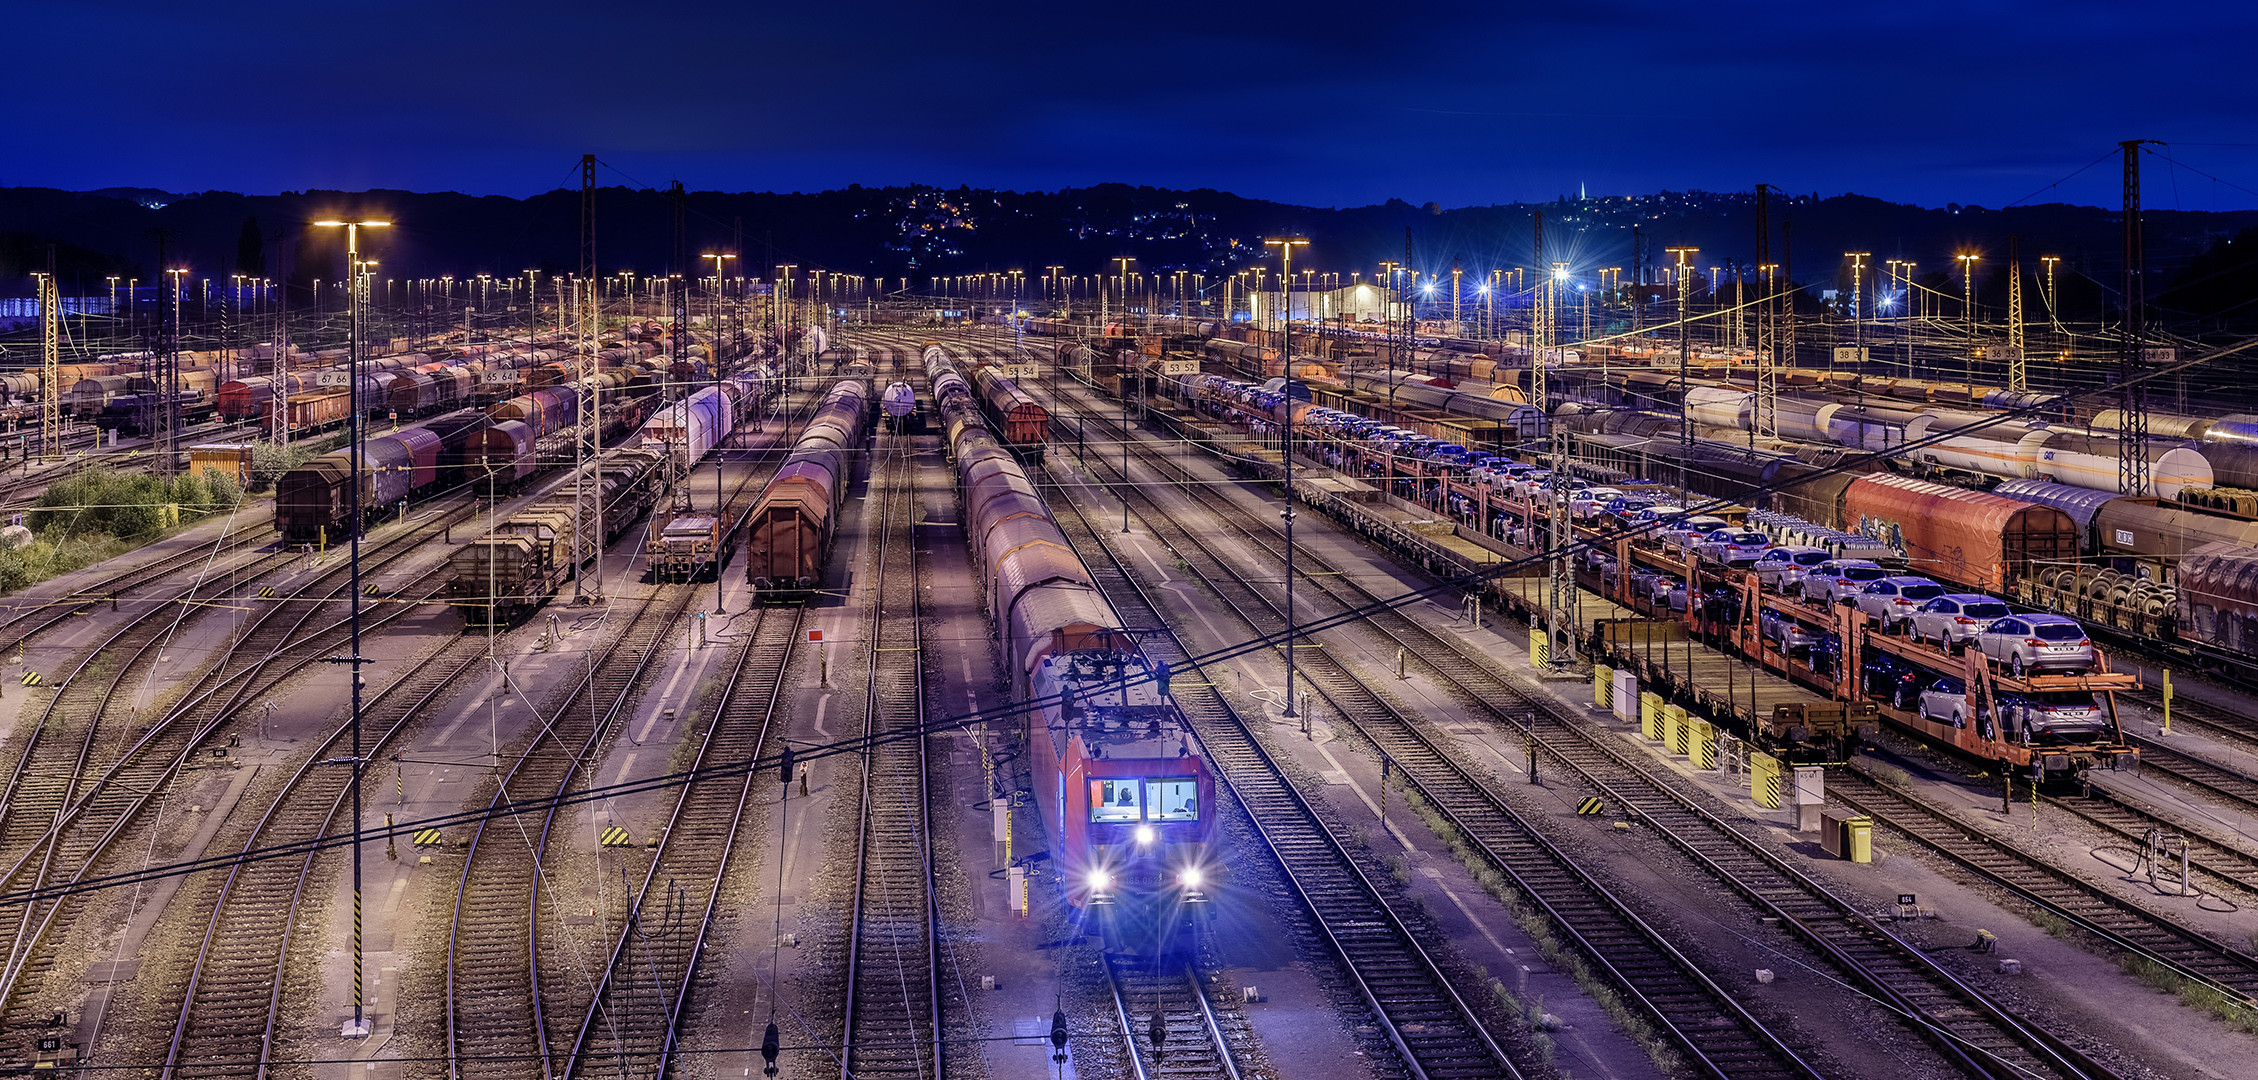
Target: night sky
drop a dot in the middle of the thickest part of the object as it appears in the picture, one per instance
(1323, 104)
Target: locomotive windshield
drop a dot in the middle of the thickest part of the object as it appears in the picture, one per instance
(1115, 800)
(1118, 801)
(1173, 799)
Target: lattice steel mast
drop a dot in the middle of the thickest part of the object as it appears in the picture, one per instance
(1766, 421)
(164, 418)
(50, 356)
(2132, 437)
(588, 443)
(2016, 374)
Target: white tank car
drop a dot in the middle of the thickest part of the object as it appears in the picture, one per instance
(900, 401)
(2019, 450)
(1720, 406)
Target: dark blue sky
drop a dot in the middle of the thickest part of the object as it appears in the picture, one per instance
(1326, 104)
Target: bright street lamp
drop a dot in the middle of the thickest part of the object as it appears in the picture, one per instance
(1286, 351)
(359, 1027)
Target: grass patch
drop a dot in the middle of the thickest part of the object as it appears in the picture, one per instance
(2234, 1013)
(53, 556)
(2055, 925)
(1532, 1017)
(1886, 774)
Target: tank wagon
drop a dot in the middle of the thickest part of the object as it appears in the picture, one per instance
(900, 406)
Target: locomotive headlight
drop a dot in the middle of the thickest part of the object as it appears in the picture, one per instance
(1098, 880)
(1145, 834)
(1190, 877)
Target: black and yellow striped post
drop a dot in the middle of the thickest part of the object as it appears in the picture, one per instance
(1764, 781)
(1590, 805)
(360, 1024)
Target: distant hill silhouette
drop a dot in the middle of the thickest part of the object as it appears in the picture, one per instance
(921, 232)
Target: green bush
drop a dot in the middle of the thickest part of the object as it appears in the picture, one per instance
(269, 461)
(130, 506)
(100, 514)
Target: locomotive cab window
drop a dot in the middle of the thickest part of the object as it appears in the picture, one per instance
(1173, 800)
(1115, 800)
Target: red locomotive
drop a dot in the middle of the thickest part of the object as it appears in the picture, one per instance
(1126, 795)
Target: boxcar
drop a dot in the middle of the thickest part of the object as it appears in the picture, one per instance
(499, 456)
(1021, 421)
(310, 501)
(413, 393)
(789, 533)
(1969, 538)
(417, 456)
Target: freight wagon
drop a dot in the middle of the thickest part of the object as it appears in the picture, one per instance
(1127, 798)
(499, 579)
(315, 501)
(789, 532)
(1023, 423)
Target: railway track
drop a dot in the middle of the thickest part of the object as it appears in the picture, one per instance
(1671, 989)
(2113, 813)
(892, 1024)
(31, 616)
(2235, 788)
(231, 1005)
(2123, 924)
(1963, 1024)
(44, 786)
(1435, 1033)
(110, 782)
(640, 1003)
(2189, 712)
(495, 1017)
(506, 1005)
(643, 995)
(1187, 1040)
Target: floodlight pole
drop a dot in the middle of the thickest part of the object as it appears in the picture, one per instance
(359, 1027)
(1286, 429)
